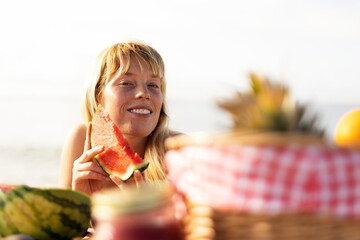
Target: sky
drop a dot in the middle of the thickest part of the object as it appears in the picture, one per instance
(48, 51)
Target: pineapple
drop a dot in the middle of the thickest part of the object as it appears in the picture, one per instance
(268, 107)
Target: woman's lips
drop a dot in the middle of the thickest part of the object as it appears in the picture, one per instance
(140, 110)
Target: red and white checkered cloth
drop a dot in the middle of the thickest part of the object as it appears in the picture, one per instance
(269, 180)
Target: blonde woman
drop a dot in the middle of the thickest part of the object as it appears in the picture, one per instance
(130, 84)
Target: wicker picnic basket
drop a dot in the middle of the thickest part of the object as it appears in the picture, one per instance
(271, 176)
(263, 185)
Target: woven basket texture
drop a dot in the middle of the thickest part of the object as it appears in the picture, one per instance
(266, 186)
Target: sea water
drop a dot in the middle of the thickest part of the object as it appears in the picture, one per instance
(34, 131)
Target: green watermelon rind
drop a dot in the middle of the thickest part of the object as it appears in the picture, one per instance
(123, 177)
(141, 167)
(4, 228)
(130, 171)
(45, 213)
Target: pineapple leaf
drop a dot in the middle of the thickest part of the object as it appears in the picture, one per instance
(268, 107)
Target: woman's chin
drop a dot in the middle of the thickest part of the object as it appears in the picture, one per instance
(138, 133)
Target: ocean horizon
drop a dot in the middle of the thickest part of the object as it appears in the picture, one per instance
(35, 161)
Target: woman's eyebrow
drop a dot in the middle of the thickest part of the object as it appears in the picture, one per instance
(128, 74)
(132, 74)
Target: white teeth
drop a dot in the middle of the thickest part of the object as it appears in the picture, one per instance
(141, 111)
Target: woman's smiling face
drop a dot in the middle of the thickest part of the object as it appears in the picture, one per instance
(134, 99)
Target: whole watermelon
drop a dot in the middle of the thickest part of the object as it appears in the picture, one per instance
(44, 213)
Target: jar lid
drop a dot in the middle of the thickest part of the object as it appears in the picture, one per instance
(133, 199)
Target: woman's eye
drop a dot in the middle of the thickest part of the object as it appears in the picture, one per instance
(125, 83)
(153, 85)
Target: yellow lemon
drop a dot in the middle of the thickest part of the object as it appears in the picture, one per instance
(347, 131)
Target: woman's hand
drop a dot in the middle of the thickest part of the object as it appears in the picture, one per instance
(88, 177)
(137, 179)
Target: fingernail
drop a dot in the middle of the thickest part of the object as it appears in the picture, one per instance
(99, 147)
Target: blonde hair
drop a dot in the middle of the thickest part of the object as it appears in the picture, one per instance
(109, 61)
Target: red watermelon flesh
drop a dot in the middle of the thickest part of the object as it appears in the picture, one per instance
(5, 188)
(118, 157)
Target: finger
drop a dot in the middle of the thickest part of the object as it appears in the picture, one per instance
(90, 166)
(120, 183)
(87, 145)
(139, 178)
(130, 181)
(86, 175)
(90, 154)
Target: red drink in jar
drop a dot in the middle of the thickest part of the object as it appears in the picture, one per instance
(144, 214)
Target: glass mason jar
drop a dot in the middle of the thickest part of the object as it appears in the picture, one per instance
(144, 213)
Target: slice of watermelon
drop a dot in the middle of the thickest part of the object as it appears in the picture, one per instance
(118, 158)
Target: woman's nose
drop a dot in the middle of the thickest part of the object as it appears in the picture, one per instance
(142, 93)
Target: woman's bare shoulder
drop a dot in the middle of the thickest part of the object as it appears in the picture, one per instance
(168, 138)
(75, 140)
(72, 150)
(173, 133)
(78, 132)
